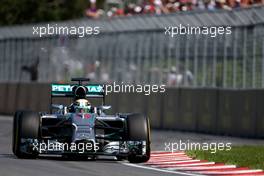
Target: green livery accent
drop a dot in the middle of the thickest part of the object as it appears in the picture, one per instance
(94, 90)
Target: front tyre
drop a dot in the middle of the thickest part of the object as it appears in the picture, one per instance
(138, 129)
(25, 126)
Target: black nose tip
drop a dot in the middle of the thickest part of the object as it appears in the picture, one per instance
(80, 92)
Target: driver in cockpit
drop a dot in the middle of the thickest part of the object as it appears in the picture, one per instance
(80, 106)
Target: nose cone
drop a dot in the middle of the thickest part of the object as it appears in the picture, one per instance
(80, 92)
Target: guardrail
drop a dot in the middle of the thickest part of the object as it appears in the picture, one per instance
(215, 111)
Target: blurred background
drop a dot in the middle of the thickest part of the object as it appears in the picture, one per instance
(132, 46)
(214, 84)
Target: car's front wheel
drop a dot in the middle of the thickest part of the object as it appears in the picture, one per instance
(25, 126)
(138, 129)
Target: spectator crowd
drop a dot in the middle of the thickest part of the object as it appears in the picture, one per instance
(168, 6)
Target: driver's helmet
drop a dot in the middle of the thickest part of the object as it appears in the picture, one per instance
(82, 106)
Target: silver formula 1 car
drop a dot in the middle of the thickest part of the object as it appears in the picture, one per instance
(79, 130)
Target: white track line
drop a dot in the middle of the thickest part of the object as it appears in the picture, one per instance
(169, 159)
(161, 162)
(231, 172)
(160, 170)
(174, 167)
(174, 162)
(207, 168)
(168, 154)
(179, 163)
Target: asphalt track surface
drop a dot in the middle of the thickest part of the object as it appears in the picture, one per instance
(43, 166)
(10, 165)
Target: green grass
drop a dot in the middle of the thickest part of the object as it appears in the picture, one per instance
(244, 156)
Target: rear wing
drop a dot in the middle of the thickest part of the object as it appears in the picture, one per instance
(65, 90)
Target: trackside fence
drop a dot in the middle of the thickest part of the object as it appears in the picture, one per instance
(136, 50)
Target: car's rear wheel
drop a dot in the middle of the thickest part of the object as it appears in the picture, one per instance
(138, 129)
(25, 126)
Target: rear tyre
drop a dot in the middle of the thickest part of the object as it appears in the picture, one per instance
(25, 125)
(138, 129)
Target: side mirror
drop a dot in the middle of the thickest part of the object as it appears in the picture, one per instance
(105, 107)
(101, 109)
(57, 106)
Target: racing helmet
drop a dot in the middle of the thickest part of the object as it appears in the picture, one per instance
(82, 106)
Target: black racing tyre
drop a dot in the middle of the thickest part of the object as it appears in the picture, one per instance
(138, 129)
(25, 125)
